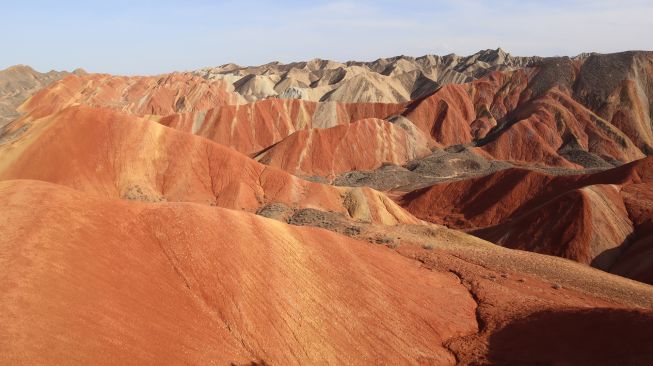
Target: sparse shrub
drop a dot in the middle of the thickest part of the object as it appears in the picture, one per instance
(392, 245)
(383, 240)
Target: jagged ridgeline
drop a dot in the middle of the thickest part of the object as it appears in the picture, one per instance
(386, 80)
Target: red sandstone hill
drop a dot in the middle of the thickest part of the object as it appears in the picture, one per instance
(182, 283)
(91, 280)
(592, 218)
(128, 235)
(253, 127)
(139, 95)
(445, 115)
(361, 145)
(117, 155)
(559, 112)
(552, 113)
(556, 112)
(541, 123)
(543, 114)
(207, 109)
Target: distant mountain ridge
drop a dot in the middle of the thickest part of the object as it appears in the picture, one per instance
(385, 80)
(19, 82)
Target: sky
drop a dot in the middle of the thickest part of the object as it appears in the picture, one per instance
(145, 37)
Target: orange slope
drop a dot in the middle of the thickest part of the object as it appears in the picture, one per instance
(548, 123)
(252, 127)
(93, 281)
(446, 115)
(140, 95)
(362, 145)
(111, 154)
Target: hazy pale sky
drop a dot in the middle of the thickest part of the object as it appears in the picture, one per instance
(156, 36)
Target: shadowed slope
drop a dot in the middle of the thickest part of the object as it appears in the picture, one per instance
(587, 225)
(591, 337)
(602, 219)
(637, 261)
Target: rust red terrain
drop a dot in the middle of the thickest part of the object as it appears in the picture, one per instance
(201, 217)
